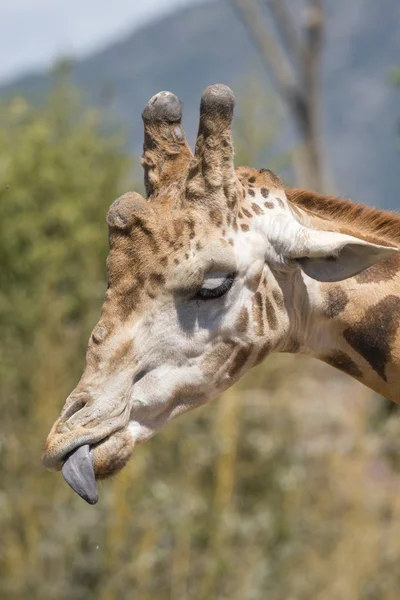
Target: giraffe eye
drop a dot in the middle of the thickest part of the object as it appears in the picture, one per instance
(215, 286)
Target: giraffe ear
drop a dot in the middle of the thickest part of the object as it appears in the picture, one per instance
(345, 259)
(323, 255)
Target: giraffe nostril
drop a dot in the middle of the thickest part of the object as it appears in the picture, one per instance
(74, 408)
(139, 376)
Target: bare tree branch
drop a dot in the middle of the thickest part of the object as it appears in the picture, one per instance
(299, 88)
(313, 41)
(288, 31)
(311, 68)
(283, 74)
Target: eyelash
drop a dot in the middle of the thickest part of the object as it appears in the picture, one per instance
(218, 292)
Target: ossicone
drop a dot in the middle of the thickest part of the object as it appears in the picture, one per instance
(166, 153)
(125, 210)
(170, 169)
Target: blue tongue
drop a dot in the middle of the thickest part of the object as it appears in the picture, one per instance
(78, 472)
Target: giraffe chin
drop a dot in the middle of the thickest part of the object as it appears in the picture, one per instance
(78, 472)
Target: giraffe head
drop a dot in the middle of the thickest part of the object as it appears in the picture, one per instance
(200, 285)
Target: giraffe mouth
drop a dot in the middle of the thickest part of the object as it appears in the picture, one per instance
(78, 472)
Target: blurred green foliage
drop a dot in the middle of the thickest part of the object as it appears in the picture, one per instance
(394, 76)
(288, 487)
(58, 173)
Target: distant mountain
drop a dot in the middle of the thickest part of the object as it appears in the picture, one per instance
(190, 49)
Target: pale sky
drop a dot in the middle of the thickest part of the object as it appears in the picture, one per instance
(33, 33)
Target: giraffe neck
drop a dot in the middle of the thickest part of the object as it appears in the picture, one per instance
(353, 325)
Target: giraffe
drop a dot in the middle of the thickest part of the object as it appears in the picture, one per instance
(217, 269)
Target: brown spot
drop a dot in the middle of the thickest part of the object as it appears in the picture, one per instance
(244, 227)
(177, 244)
(230, 241)
(141, 227)
(335, 302)
(122, 351)
(280, 202)
(263, 353)
(157, 279)
(198, 245)
(340, 360)
(264, 192)
(278, 299)
(247, 213)
(235, 225)
(176, 261)
(258, 313)
(93, 357)
(232, 201)
(164, 261)
(217, 357)
(271, 315)
(242, 321)
(129, 298)
(216, 217)
(191, 225)
(239, 360)
(381, 271)
(373, 335)
(269, 204)
(257, 209)
(251, 192)
(274, 179)
(252, 179)
(178, 225)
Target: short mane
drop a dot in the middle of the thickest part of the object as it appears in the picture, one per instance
(372, 224)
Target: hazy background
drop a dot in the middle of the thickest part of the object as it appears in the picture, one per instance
(286, 488)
